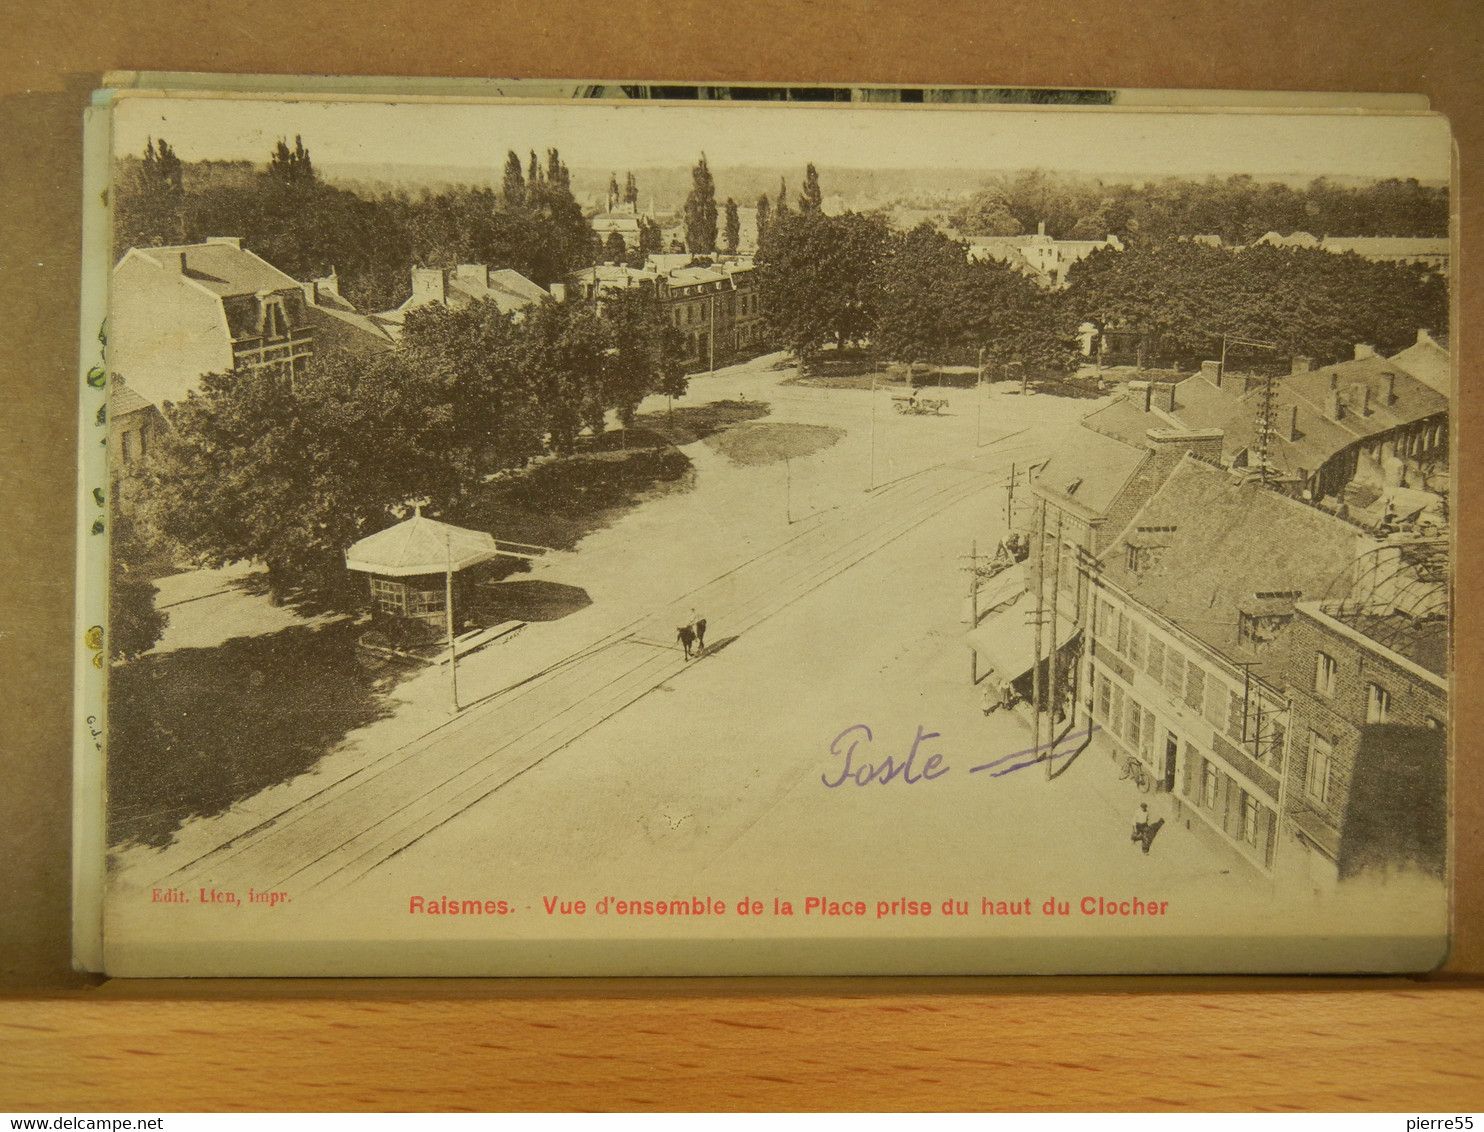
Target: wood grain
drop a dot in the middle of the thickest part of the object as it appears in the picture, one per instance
(1398, 1047)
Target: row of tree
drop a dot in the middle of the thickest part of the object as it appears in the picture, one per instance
(256, 467)
(916, 296)
(296, 221)
(1239, 208)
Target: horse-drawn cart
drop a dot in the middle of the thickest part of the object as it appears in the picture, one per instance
(919, 406)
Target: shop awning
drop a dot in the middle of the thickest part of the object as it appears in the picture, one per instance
(420, 546)
(1006, 641)
(1006, 586)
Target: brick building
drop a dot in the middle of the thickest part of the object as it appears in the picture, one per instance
(1367, 678)
(1190, 639)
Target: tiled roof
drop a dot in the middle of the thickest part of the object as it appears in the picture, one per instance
(1428, 361)
(1229, 543)
(1319, 436)
(222, 268)
(1092, 472)
(123, 400)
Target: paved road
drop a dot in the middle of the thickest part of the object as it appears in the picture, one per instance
(354, 824)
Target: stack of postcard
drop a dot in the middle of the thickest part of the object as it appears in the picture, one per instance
(587, 530)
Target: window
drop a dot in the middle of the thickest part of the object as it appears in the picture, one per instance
(1174, 674)
(1195, 688)
(1136, 644)
(1215, 706)
(1147, 747)
(1104, 693)
(1123, 623)
(1105, 620)
(1115, 717)
(1209, 775)
(1321, 761)
(1156, 667)
(1377, 704)
(1135, 717)
(1325, 669)
(1236, 714)
(1250, 808)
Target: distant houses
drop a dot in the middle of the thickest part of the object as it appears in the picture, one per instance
(716, 306)
(1040, 257)
(1353, 435)
(1427, 251)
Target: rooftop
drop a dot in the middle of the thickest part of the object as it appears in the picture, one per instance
(220, 264)
(1222, 545)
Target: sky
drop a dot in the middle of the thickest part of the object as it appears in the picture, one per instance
(635, 135)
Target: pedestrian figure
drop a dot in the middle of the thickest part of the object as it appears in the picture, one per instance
(700, 628)
(687, 637)
(1144, 828)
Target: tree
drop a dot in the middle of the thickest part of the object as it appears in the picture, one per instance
(700, 211)
(811, 197)
(822, 278)
(291, 167)
(257, 468)
(515, 183)
(134, 624)
(762, 226)
(646, 355)
(733, 227)
(614, 248)
(150, 203)
(651, 239)
(782, 197)
(612, 191)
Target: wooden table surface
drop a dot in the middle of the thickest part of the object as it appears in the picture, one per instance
(1279, 1045)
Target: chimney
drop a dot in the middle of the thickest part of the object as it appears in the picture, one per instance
(1041, 228)
(1333, 409)
(1288, 422)
(559, 292)
(1363, 351)
(311, 292)
(1211, 371)
(1360, 398)
(1388, 388)
(175, 262)
(1302, 364)
(1424, 338)
(1163, 395)
(1202, 443)
(429, 283)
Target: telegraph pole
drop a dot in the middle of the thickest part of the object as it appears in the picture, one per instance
(1053, 679)
(1036, 631)
(453, 662)
(979, 400)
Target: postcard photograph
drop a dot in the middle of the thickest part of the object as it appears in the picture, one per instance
(601, 537)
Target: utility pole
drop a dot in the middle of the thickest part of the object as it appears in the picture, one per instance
(979, 400)
(453, 662)
(1010, 499)
(973, 610)
(788, 490)
(873, 427)
(711, 334)
(1053, 676)
(1036, 631)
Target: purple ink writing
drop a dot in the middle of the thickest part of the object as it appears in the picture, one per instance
(858, 770)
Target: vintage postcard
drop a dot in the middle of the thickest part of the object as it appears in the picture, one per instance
(631, 536)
